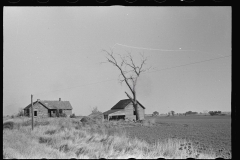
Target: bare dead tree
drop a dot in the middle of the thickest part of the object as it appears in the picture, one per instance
(95, 110)
(129, 73)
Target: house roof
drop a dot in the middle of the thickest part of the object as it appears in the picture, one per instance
(111, 111)
(53, 104)
(123, 103)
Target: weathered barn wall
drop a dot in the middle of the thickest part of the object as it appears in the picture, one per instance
(141, 112)
(120, 112)
(130, 114)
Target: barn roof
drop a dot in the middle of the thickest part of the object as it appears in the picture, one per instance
(123, 103)
(111, 111)
(53, 104)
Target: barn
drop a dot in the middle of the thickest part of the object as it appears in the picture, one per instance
(46, 108)
(124, 110)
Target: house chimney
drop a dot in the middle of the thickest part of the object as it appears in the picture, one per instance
(38, 100)
(59, 99)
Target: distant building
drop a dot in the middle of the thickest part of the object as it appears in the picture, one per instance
(45, 108)
(124, 110)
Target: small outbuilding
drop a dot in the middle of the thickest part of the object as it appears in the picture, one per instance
(124, 110)
(46, 108)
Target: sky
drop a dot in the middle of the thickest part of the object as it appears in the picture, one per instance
(57, 52)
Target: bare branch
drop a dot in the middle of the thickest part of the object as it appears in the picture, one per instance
(143, 62)
(126, 72)
(144, 70)
(142, 55)
(122, 58)
(112, 60)
(126, 63)
(130, 57)
(132, 65)
(140, 69)
(121, 81)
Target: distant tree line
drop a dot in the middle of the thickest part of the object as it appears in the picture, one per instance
(172, 113)
(213, 113)
(190, 112)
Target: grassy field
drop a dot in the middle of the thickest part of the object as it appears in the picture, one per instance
(162, 137)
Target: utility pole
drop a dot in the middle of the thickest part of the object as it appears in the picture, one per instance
(32, 109)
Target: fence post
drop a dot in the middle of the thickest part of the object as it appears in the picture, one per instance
(32, 109)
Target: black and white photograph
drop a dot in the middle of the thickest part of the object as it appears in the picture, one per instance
(117, 82)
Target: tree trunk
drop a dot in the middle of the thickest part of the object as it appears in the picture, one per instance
(136, 110)
(135, 105)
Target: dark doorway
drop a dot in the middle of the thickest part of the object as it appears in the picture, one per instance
(49, 113)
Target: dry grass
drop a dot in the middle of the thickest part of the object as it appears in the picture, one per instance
(69, 138)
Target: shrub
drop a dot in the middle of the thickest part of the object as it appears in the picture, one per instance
(87, 120)
(76, 122)
(155, 113)
(63, 115)
(213, 113)
(20, 113)
(72, 116)
(98, 118)
(64, 148)
(8, 125)
(50, 132)
(95, 110)
(45, 140)
(172, 113)
(60, 114)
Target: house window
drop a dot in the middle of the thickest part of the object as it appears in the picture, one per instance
(35, 113)
(60, 111)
